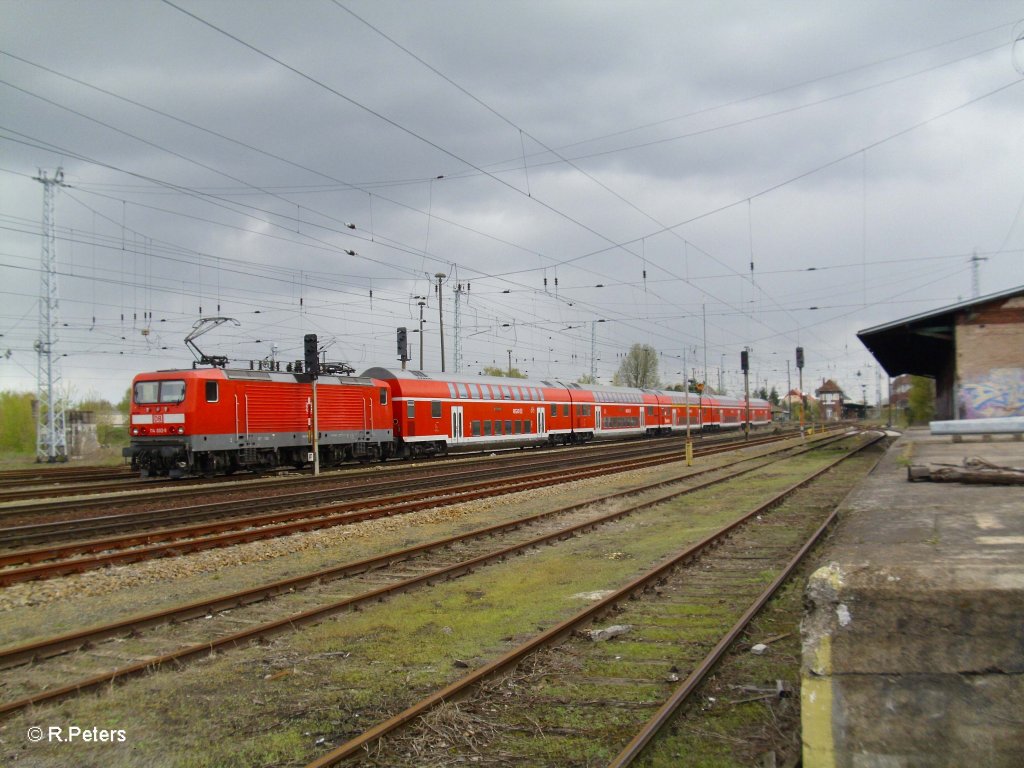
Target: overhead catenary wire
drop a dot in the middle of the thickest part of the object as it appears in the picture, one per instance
(620, 283)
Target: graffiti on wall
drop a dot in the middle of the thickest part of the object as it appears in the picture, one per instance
(999, 393)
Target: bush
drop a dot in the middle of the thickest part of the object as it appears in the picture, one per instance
(17, 427)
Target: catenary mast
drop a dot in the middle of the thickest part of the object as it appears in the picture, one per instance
(51, 434)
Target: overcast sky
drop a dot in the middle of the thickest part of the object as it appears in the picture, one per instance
(731, 174)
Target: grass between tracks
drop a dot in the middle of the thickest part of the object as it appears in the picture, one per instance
(284, 702)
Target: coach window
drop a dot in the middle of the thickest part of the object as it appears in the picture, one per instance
(565, 409)
(497, 426)
(508, 427)
(212, 393)
(465, 391)
(554, 409)
(383, 395)
(519, 426)
(476, 428)
(435, 409)
(487, 428)
(527, 427)
(452, 391)
(410, 409)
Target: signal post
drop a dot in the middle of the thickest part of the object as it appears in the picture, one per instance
(745, 365)
(312, 360)
(803, 397)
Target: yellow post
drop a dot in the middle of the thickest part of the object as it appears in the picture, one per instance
(689, 453)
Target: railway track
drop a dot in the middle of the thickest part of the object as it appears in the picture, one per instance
(560, 684)
(39, 492)
(387, 498)
(19, 484)
(46, 473)
(35, 512)
(366, 581)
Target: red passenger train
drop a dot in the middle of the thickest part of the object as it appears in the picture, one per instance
(215, 420)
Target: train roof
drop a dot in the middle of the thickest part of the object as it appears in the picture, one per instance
(246, 374)
(552, 383)
(460, 378)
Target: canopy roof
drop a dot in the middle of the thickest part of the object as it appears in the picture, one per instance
(922, 344)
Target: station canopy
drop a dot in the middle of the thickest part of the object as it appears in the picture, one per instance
(923, 344)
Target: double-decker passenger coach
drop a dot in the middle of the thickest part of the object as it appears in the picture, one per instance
(435, 411)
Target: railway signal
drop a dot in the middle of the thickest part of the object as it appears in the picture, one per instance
(803, 397)
(403, 346)
(311, 354)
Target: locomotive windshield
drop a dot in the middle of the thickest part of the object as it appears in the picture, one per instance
(149, 392)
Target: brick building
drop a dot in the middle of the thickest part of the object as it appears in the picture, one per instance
(899, 392)
(973, 350)
(831, 397)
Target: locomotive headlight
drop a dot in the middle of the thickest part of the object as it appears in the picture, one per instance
(135, 430)
(181, 430)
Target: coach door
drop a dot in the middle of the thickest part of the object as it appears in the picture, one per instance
(457, 432)
(542, 424)
(597, 418)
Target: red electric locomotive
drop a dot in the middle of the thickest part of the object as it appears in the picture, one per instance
(214, 420)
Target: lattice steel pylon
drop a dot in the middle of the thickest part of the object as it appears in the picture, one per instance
(51, 431)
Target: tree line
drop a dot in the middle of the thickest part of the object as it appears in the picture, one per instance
(18, 422)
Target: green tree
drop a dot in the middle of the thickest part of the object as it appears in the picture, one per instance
(493, 370)
(125, 404)
(106, 432)
(921, 400)
(17, 427)
(96, 405)
(639, 368)
(586, 378)
(813, 410)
